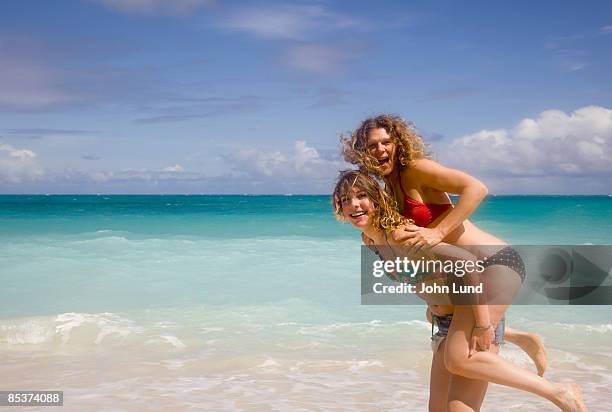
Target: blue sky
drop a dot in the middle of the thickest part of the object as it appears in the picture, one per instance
(203, 96)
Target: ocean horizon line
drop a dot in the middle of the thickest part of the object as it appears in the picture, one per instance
(276, 194)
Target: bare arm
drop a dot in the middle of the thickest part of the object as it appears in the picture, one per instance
(471, 191)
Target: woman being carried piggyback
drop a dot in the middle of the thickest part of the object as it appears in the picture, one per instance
(359, 200)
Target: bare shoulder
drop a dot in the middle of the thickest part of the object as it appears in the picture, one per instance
(424, 164)
(431, 174)
(418, 172)
(424, 167)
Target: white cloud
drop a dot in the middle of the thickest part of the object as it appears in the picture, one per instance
(553, 144)
(574, 66)
(170, 173)
(606, 29)
(299, 24)
(176, 168)
(157, 7)
(18, 165)
(302, 169)
(315, 59)
(294, 22)
(303, 162)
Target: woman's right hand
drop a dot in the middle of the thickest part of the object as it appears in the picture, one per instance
(481, 339)
(416, 238)
(403, 232)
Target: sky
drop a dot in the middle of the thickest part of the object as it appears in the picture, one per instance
(214, 97)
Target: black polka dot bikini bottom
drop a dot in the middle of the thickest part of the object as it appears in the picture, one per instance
(508, 257)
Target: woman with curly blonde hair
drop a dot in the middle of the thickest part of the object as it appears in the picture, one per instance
(391, 148)
(385, 215)
(409, 144)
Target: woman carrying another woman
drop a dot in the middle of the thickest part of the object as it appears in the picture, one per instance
(389, 147)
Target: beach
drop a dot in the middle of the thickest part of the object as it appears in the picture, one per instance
(252, 303)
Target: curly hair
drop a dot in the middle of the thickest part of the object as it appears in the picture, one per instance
(409, 143)
(385, 217)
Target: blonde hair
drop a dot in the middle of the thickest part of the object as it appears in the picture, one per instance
(409, 143)
(385, 217)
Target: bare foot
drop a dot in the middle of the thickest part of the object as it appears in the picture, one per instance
(570, 398)
(532, 345)
(536, 351)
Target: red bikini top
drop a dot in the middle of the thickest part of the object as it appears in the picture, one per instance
(423, 213)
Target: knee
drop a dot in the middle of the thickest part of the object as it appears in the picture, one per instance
(455, 363)
(457, 406)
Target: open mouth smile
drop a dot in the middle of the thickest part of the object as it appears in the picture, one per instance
(383, 161)
(358, 214)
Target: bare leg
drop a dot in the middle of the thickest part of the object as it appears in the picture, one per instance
(489, 366)
(465, 394)
(492, 368)
(531, 344)
(438, 382)
(453, 393)
(449, 392)
(501, 278)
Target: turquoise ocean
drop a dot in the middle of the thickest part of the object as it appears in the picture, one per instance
(251, 303)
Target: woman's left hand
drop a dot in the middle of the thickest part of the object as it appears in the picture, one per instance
(420, 237)
(481, 339)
